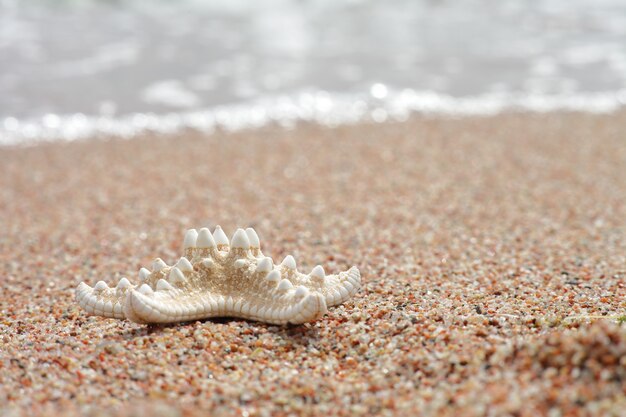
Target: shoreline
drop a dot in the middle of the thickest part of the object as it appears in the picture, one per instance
(330, 109)
(478, 240)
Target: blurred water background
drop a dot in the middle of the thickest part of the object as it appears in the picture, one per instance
(74, 69)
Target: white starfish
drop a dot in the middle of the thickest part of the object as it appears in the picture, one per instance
(218, 279)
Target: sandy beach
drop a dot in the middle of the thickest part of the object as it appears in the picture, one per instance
(492, 251)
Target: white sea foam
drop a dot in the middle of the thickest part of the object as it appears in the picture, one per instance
(318, 107)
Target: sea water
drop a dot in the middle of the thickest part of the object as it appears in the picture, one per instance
(77, 69)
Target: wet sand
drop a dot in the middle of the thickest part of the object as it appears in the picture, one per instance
(492, 250)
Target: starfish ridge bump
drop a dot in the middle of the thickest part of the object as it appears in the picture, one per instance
(218, 278)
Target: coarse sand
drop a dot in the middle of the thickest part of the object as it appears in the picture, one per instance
(492, 251)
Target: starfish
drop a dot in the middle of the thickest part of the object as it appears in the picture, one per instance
(218, 278)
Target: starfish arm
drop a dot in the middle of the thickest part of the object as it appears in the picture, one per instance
(173, 306)
(338, 288)
(169, 306)
(102, 300)
(335, 288)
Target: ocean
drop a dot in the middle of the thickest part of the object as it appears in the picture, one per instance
(80, 69)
